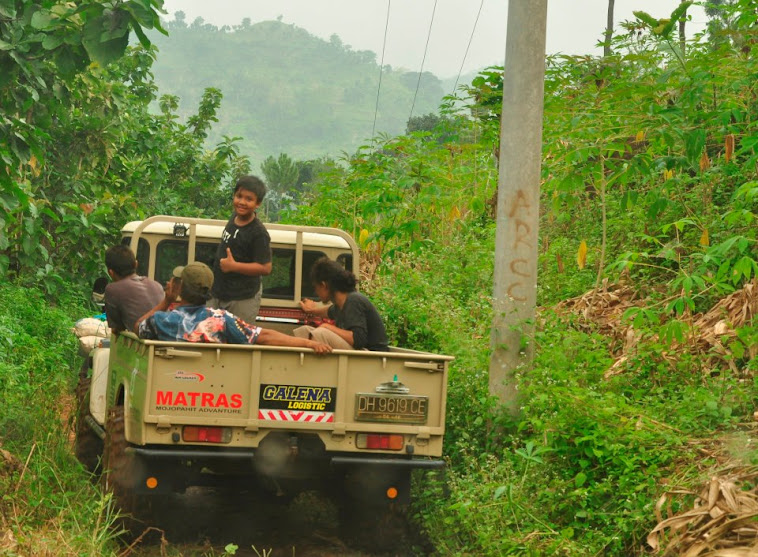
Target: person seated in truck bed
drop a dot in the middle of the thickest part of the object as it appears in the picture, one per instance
(129, 295)
(193, 321)
(357, 322)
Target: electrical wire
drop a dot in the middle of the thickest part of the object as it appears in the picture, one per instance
(381, 67)
(471, 38)
(428, 36)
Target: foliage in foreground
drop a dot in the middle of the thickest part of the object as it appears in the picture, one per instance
(81, 152)
(580, 472)
(649, 177)
(49, 506)
(640, 138)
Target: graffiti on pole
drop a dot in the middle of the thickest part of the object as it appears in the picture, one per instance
(523, 248)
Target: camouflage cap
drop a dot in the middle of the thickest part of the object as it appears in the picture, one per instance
(198, 278)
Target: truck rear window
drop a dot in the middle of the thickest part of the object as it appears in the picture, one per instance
(143, 254)
(280, 284)
(171, 253)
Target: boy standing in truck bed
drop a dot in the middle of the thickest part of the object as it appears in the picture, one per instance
(244, 254)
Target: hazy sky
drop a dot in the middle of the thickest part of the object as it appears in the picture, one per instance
(573, 26)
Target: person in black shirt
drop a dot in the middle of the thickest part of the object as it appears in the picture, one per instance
(357, 322)
(244, 254)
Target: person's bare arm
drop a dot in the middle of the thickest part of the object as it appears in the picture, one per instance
(230, 265)
(271, 337)
(309, 306)
(172, 293)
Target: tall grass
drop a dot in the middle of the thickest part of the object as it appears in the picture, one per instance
(50, 505)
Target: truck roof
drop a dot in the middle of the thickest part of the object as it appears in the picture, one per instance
(279, 233)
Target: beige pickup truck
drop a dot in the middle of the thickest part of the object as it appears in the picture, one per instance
(157, 417)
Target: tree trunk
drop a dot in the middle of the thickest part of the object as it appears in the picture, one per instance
(515, 283)
(609, 29)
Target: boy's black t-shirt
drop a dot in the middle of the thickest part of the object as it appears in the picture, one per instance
(249, 244)
(359, 315)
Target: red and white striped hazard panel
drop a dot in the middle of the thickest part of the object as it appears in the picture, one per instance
(295, 416)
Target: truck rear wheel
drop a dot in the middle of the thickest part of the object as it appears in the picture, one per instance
(121, 472)
(381, 528)
(88, 446)
(368, 519)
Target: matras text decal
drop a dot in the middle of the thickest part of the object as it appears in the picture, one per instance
(194, 401)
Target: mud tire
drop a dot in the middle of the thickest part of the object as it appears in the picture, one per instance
(121, 472)
(88, 447)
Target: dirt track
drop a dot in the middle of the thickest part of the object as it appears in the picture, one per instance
(203, 521)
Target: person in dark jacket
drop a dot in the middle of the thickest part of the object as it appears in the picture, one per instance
(357, 324)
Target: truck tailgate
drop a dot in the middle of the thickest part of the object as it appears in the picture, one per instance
(256, 389)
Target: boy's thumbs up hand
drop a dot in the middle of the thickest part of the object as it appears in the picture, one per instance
(227, 263)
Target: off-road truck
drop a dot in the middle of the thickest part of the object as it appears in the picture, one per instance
(156, 417)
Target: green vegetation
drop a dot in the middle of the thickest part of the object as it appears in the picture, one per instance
(286, 90)
(48, 505)
(649, 162)
(664, 146)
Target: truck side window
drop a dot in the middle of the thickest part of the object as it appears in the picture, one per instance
(168, 255)
(205, 253)
(171, 253)
(143, 254)
(280, 284)
(309, 258)
(346, 260)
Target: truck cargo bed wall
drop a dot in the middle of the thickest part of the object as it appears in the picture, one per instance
(258, 389)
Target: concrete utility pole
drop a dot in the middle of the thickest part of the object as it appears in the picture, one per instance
(515, 286)
(609, 29)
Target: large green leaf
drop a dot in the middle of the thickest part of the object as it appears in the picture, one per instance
(694, 143)
(8, 8)
(106, 37)
(41, 19)
(51, 42)
(67, 62)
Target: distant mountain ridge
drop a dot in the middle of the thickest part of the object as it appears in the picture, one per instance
(286, 90)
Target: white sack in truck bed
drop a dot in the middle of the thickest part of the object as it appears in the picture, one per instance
(91, 333)
(89, 326)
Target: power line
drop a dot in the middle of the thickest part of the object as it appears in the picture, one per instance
(381, 67)
(428, 36)
(468, 46)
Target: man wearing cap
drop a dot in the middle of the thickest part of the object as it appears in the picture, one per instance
(192, 321)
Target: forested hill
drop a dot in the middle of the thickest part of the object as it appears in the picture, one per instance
(285, 90)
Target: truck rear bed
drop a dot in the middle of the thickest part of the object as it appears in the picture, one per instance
(254, 390)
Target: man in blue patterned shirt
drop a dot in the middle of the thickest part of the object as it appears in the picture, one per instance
(192, 321)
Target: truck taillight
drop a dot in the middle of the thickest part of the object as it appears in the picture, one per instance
(203, 434)
(379, 441)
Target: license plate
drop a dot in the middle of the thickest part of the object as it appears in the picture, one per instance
(405, 409)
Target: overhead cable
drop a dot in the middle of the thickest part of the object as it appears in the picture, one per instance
(381, 67)
(468, 46)
(426, 48)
